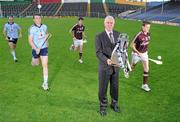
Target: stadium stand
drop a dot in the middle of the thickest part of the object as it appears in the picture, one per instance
(13, 8)
(46, 10)
(73, 9)
(115, 9)
(97, 10)
(92, 8)
(171, 11)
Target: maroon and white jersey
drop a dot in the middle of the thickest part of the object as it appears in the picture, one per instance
(142, 41)
(78, 31)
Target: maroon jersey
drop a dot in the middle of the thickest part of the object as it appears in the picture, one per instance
(142, 41)
(78, 30)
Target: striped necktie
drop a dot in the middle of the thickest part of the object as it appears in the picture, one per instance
(111, 38)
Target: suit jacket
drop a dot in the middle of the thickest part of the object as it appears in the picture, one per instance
(104, 49)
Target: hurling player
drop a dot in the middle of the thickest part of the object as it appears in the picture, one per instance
(140, 52)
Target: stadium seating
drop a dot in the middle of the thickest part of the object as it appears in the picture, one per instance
(115, 9)
(97, 10)
(73, 9)
(170, 12)
(176, 20)
(46, 10)
(13, 9)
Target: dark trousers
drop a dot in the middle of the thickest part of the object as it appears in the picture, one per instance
(104, 78)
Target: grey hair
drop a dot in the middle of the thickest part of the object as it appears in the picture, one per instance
(109, 17)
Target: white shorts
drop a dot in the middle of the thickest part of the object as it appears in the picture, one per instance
(78, 43)
(136, 58)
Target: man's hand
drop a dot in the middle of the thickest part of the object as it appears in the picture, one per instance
(140, 54)
(74, 38)
(6, 38)
(37, 50)
(109, 62)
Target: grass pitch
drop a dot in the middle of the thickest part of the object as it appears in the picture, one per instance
(73, 95)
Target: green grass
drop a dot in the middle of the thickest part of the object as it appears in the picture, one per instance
(73, 95)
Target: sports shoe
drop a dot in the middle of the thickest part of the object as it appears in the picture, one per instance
(145, 87)
(15, 59)
(45, 86)
(126, 73)
(80, 61)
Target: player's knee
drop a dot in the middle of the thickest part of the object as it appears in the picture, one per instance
(146, 69)
(34, 63)
(11, 46)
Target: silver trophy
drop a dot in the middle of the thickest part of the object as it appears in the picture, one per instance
(119, 55)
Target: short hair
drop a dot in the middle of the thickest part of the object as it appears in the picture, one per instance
(145, 23)
(36, 14)
(109, 17)
(80, 18)
(11, 16)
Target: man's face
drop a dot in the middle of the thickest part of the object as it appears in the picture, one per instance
(11, 19)
(80, 22)
(146, 28)
(109, 24)
(37, 20)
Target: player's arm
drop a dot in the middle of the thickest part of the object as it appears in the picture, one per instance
(71, 31)
(46, 36)
(5, 33)
(33, 46)
(133, 45)
(20, 33)
(84, 35)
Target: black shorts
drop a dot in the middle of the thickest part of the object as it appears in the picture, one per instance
(43, 52)
(13, 40)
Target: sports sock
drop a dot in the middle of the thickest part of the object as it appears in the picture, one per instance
(45, 79)
(80, 55)
(13, 53)
(145, 77)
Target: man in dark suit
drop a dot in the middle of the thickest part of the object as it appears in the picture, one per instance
(105, 43)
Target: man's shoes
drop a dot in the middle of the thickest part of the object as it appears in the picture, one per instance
(145, 87)
(126, 72)
(115, 108)
(80, 61)
(103, 112)
(45, 86)
(15, 59)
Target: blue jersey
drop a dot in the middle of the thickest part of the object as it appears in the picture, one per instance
(12, 30)
(38, 34)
